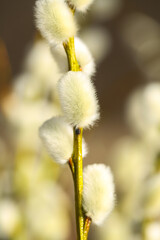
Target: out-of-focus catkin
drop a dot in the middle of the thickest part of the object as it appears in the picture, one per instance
(81, 5)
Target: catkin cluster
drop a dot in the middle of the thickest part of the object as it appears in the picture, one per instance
(77, 94)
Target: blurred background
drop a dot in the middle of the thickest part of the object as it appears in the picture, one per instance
(36, 195)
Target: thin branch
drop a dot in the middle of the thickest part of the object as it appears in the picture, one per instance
(77, 148)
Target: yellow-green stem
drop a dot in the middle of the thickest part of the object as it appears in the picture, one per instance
(71, 56)
(77, 148)
(78, 181)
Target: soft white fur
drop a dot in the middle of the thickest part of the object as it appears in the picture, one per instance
(54, 20)
(83, 55)
(81, 5)
(78, 99)
(98, 192)
(57, 137)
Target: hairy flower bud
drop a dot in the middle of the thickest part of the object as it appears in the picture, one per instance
(54, 20)
(57, 137)
(98, 192)
(78, 99)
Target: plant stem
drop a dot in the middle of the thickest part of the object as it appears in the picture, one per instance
(77, 148)
(70, 51)
(78, 181)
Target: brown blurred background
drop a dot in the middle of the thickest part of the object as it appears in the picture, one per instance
(116, 77)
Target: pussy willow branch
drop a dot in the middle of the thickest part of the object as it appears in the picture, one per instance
(77, 160)
(78, 180)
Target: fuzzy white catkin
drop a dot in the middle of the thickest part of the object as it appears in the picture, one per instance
(83, 55)
(98, 192)
(55, 20)
(78, 99)
(57, 137)
(81, 5)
